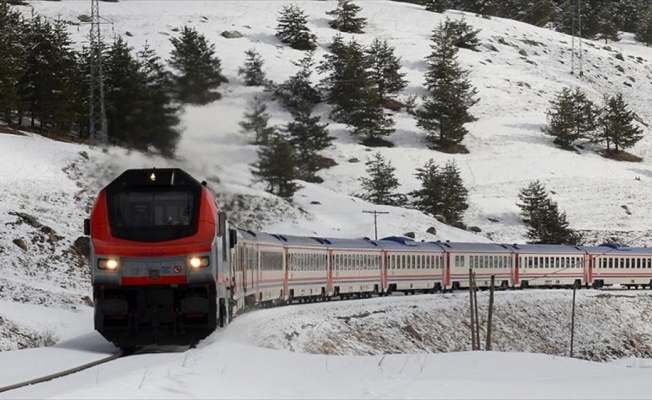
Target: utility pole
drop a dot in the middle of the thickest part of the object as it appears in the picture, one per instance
(98, 129)
(375, 213)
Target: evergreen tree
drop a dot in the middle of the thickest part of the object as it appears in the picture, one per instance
(308, 137)
(49, 80)
(533, 199)
(346, 17)
(252, 71)
(571, 116)
(276, 167)
(606, 25)
(454, 196)
(348, 80)
(644, 29)
(442, 192)
(367, 117)
(462, 34)
(199, 70)
(597, 17)
(293, 29)
(546, 224)
(256, 119)
(428, 198)
(380, 185)
(438, 6)
(13, 55)
(445, 109)
(617, 126)
(297, 93)
(123, 87)
(631, 13)
(535, 12)
(385, 69)
(159, 116)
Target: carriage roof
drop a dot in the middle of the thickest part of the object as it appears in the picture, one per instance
(547, 249)
(473, 246)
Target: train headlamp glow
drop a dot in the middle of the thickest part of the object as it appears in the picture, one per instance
(152, 177)
(198, 262)
(108, 264)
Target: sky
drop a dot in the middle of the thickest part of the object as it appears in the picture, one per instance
(42, 292)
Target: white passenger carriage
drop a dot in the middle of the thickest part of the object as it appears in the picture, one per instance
(412, 266)
(258, 268)
(611, 264)
(485, 259)
(549, 265)
(307, 268)
(356, 267)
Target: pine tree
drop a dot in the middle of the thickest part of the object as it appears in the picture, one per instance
(13, 56)
(445, 110)
(462, 34)
(199, 70)
(381, 184)
(546, 224)
(606, 26)
(256, 119)
(348, 79)
(533, 198)
(595, 15)
(159, 116)
(428, 198)
(617, 126)
(252, 71)
(308, 137)
(123, 87)
(367, 119)
(384, 69)
(49, 80)
(438, 6)
(631, 13)
(276, 167)
(454, 194)
(535, 12)
(644, 29)
(346, 17)
(293, 29)
(571, 116)
(297, 93)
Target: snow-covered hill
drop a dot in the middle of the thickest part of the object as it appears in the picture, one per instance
(47, 187)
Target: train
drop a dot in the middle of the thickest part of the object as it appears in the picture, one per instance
(168, 269)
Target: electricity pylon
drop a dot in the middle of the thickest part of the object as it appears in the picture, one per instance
(98, 127)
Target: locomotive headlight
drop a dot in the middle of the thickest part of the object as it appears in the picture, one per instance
(198, 262)
(108, 264)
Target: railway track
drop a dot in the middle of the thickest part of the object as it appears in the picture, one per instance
(62, 373)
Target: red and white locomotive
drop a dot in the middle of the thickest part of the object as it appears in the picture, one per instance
(166, 268)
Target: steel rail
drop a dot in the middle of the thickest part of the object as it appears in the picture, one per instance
(62, 373)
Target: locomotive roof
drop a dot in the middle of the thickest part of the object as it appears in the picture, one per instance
(153, 177)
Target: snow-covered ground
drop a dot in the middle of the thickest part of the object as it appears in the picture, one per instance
(43, 286)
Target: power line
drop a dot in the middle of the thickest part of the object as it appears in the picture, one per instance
(375, 213)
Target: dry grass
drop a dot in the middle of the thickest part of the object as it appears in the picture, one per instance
(620, 155)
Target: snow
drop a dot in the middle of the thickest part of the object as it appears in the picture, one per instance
(395, 347)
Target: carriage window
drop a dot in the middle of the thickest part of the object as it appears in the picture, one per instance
(462, 260)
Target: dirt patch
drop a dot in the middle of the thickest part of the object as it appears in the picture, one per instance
(10, 130)
(620, 156)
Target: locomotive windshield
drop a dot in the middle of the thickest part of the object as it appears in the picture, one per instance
(151, 215)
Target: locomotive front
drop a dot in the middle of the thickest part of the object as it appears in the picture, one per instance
(156, 239)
